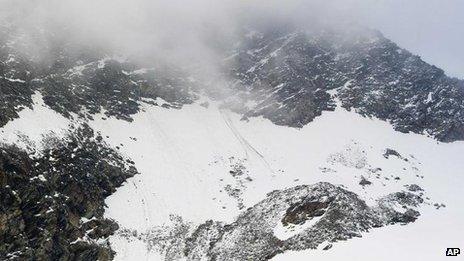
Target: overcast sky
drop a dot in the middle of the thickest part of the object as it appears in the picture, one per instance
(433, 29)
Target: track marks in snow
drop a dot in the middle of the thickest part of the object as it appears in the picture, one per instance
(246, 145)
(184, 154)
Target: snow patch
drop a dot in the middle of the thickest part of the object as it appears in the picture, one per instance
(33, 125)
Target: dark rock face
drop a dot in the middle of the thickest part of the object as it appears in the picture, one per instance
(414, 188)
(113, 86)
(44, 198)
(364, 182)
(13, 97)
(15, 76)
(281, 72)
(394, 85)
(288, 74)
(299, 213)
(391, 152)
(83, 81)
(407, 200)
(341, 215)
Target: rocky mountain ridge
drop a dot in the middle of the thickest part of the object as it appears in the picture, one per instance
(55, 199)
(286, 76)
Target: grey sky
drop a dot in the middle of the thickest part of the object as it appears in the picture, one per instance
(433, 29)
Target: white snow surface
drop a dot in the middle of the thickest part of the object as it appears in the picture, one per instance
(33, 125)
(184, 158)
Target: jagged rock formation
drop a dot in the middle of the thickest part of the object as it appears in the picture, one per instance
(84, 81)
(289, 74)
(44, 198)
(332, 212)
(112, 86)
(15, 91)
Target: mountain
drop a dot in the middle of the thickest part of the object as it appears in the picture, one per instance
(301, 139)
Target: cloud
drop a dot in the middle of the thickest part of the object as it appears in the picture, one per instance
(185, 30)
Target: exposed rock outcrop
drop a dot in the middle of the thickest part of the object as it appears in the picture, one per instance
(333, 214)
(52, 205)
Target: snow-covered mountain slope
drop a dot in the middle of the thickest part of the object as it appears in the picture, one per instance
(204, 163)
(189, 159)
(302, 144)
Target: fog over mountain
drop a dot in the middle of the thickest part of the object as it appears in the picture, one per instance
(231, 130)
(179, 29)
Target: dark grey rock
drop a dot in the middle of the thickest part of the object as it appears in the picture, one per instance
(44, 200)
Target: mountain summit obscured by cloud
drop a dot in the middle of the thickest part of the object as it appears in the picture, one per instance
(185, 30)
